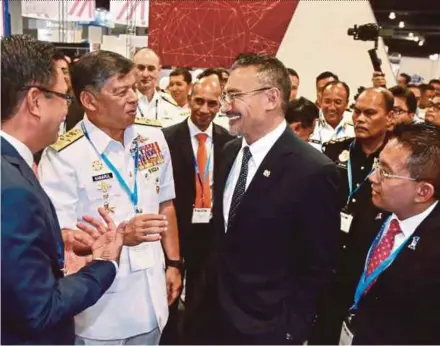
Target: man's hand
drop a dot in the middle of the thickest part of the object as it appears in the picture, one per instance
(379, 80)
(72, 261)
(108, 245)
(144, 228)
(174, 284)
(81, 241)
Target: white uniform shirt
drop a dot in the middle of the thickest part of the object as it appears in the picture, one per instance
(324, 132)
(259, 150)
(193, 131)
(75, 179)
(159, 109)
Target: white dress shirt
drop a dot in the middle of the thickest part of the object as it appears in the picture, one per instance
(22, 149)
(158, 109)
(209, 147)
(259, 150)
(73, 177)
(324, 132)
(408, 226)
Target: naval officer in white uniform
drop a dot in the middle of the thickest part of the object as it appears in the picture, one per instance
(108, 161)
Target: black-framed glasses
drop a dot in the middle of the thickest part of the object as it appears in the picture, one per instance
(229, 97)
(66, 97)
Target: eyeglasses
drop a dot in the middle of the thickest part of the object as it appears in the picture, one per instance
(382, 174)
(230, 97)
(399, 111)
(66, 97)
(436, 106)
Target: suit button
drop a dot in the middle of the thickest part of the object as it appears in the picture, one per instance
(288, 336)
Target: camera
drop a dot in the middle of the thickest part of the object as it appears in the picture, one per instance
(366, 32)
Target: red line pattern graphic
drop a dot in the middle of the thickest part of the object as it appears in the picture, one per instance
(212, 33)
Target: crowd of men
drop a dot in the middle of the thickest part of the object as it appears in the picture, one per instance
(221, 210)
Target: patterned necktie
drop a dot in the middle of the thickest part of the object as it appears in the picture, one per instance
(203, 199)
(240, 187)
(383, 249)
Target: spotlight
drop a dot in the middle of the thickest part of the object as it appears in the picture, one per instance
(392, 15)
(401, 24)
(421, 43)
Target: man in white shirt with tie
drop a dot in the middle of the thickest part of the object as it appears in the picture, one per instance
(396, 301)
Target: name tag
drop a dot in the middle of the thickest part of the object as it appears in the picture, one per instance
(346, 220)
(201, 215)
(141, 257)
(346, 337)
(103, 176)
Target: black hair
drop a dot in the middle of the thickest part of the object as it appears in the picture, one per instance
(325, 75)
(182, 71)
(24, 61)
(302, 110)
(408, 95)
(407, 77)
(292, 73)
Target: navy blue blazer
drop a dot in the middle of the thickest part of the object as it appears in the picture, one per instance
(38, 302)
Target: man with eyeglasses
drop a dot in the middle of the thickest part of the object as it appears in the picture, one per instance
(394, 290)
(432, 115)
(115, 161)
(334, 121)
(153, 104)
(196, 147)
(405, 105)
(372, 119)
(275, 215)
(41, 292)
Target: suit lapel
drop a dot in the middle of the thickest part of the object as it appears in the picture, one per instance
(13, 157)
(218, 144)
(186, 152)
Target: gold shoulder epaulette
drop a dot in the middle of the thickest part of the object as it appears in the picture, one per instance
(185, 112)
(67, 139)
(147, 122)
(168, 98)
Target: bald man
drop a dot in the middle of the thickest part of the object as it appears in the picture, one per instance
(153, 104)
(196, 146)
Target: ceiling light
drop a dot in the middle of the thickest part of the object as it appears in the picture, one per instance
(416, 38)
(401, 24)
(410, 34)
(421, 43)
(392, 15)
(433, 57)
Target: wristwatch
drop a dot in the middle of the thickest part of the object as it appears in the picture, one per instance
(175, 264)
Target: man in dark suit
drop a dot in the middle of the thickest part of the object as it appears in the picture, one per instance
(275, 214)
(395, 297)
(187, 150)
(38, 301)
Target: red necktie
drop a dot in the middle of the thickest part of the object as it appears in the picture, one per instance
(383, 249)
(203, 200)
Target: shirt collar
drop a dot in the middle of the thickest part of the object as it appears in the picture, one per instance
(345, 119)
(101, 140)
(261, 147)
(194, 130)
(142, 98)
(409, 225)
(22, 149)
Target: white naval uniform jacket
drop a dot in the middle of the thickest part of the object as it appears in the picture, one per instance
(78, 182)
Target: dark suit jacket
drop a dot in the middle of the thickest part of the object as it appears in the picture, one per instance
(403, 305)
(276, 258)
(38, 303)
(182, 156)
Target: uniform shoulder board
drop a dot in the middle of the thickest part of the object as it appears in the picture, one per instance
(185, 112)
(350, 122)
(147, 122)
(67, 139)
(168, 98)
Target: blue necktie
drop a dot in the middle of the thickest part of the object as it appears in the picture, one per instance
(240, 187)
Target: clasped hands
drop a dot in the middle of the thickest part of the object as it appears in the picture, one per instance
(97, 240)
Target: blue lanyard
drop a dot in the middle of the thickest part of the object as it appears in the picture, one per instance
(364, 282)
(133, 195)
(351, 192)
(206, 174)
